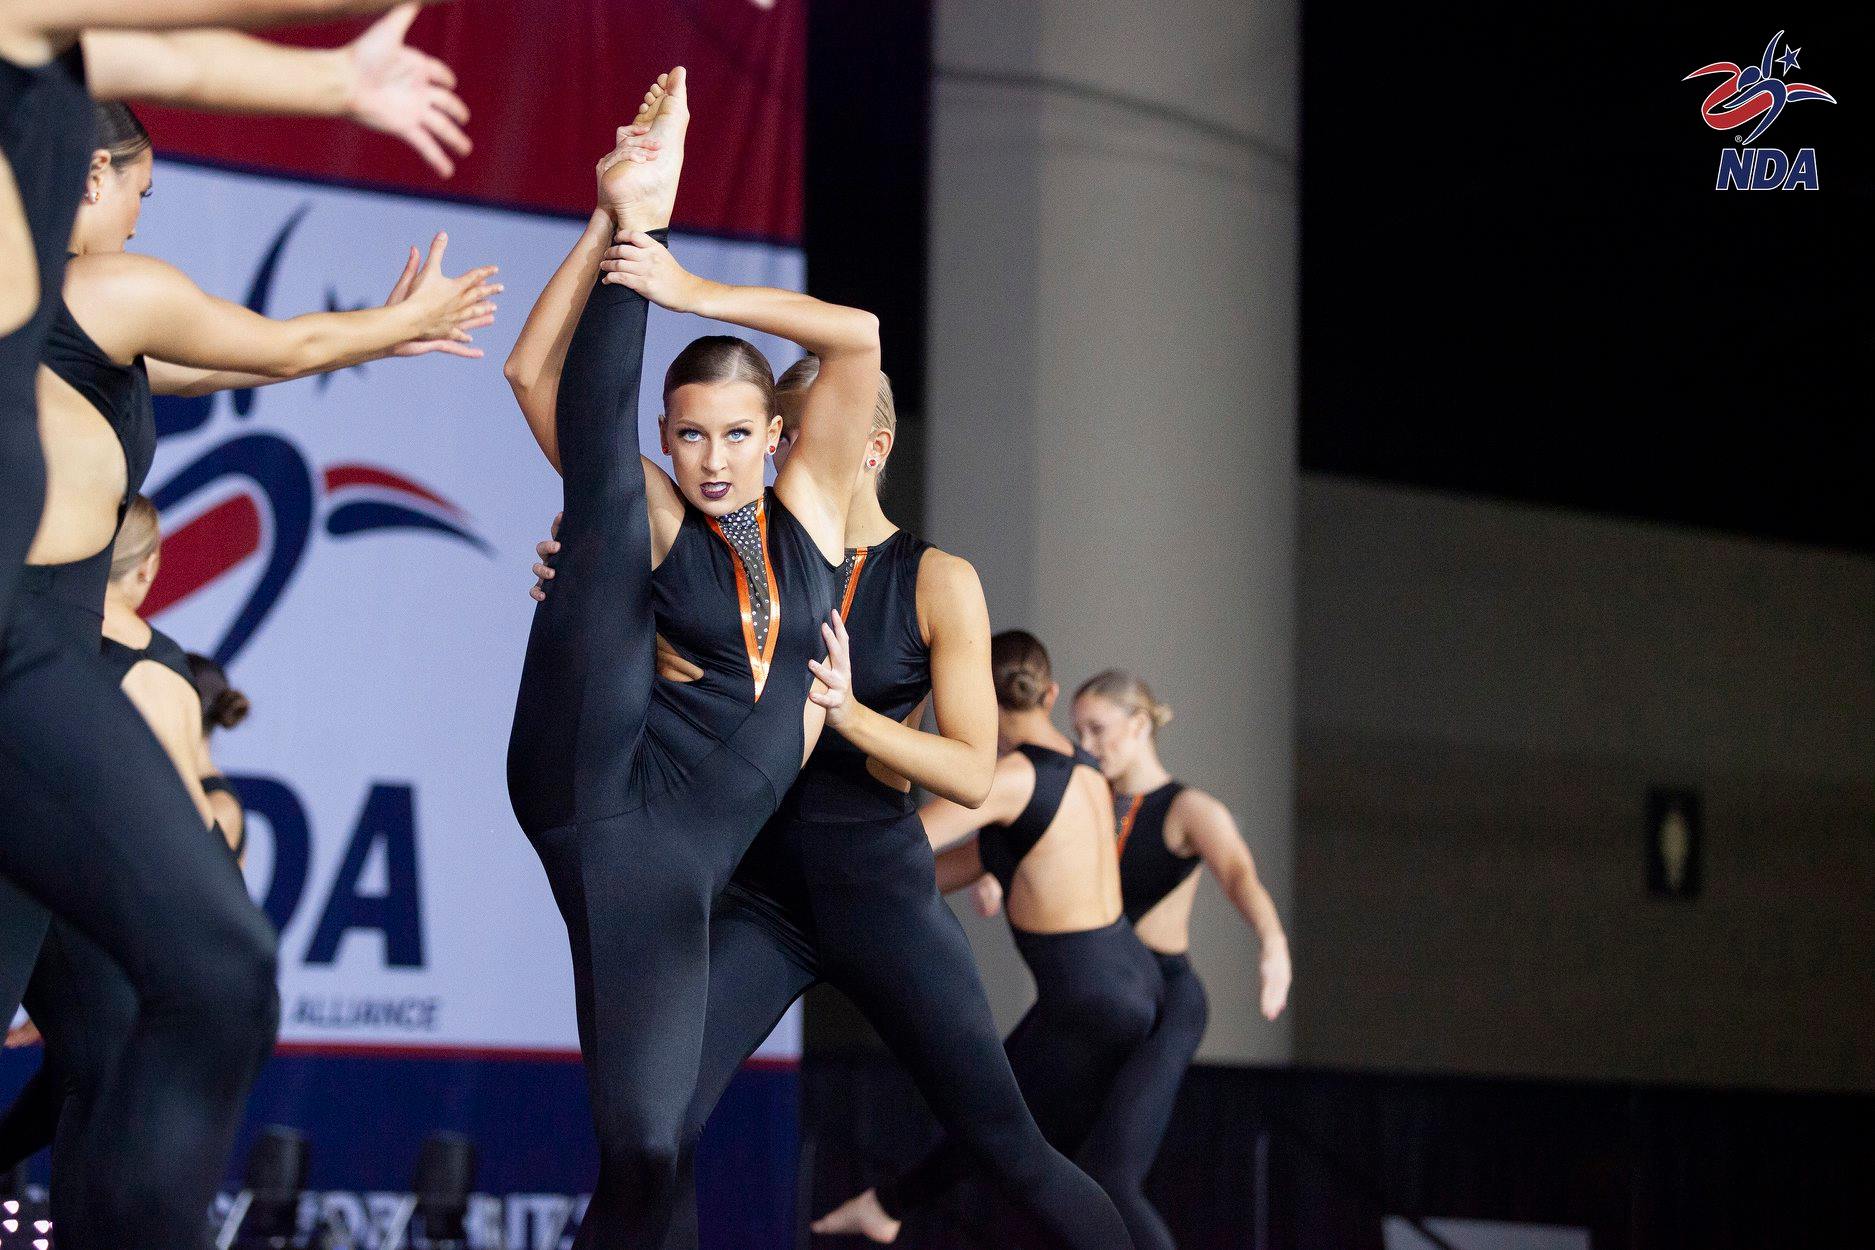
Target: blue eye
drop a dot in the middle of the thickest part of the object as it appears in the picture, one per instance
(737, 436)
(689, 436)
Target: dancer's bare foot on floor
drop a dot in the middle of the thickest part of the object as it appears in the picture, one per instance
(638, 178)
(864, 1216)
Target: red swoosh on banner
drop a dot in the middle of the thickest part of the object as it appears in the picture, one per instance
(203, 550)
(341, 475)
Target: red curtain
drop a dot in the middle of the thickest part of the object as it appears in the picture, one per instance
(547, 81)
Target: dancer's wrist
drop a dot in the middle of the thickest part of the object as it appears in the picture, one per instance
(701, 296)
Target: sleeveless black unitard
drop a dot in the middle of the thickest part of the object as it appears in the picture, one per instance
(840, 887)
(102, 833)
(640, 794)
(1096, 996)
(120, 658)
(46, 129)
(1124, 1142)
(46, 134)
(81, 1000)
(1149, 869)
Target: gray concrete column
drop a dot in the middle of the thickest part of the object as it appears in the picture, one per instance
(1112, 387)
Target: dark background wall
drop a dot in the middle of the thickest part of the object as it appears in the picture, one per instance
(1488, 693)
(1518, 280)
(868, 118)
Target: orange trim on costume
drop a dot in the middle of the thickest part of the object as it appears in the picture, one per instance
(1126, 825)
(758, 662)
(852, 580)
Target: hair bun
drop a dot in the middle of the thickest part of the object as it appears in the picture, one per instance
(1161, 715)
(1020, 669)
(229, 709)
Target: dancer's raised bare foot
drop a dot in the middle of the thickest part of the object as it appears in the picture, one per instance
(864, 1216)
(638, 178)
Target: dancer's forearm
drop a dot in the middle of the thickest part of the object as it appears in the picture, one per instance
(533, 368)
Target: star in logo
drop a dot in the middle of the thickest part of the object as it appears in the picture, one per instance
(1788, 61)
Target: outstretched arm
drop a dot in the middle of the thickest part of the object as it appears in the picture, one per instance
(142, 306)
(1208, 829)
(52, 18)
(376, 80)
(167, 378)
(959, 760)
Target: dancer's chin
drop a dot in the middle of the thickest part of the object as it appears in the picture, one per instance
(717, 498)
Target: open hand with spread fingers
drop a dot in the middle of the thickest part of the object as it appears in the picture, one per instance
(406, 281)
(445, 310)
(405, 93)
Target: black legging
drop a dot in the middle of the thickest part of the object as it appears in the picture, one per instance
(638, 811)
(100, 829)
(32, 1120)
(22, 488)
(22, 497)
(46, 138)
(861, 912)
(1097, 995)
(1125, 1140)
(86, 1010)
(22, 928)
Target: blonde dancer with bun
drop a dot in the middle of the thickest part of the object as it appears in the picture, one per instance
(1167, 831)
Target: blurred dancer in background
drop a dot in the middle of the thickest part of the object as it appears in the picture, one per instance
(1167, 831)
(1046, 834)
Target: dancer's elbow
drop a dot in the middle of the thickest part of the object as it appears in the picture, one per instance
(859, 335)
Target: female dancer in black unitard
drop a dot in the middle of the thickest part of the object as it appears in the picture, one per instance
(1166, 832)
(86, 1001)
(839, 887)
(1046, 833)
(101, 828)
(640, 792)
